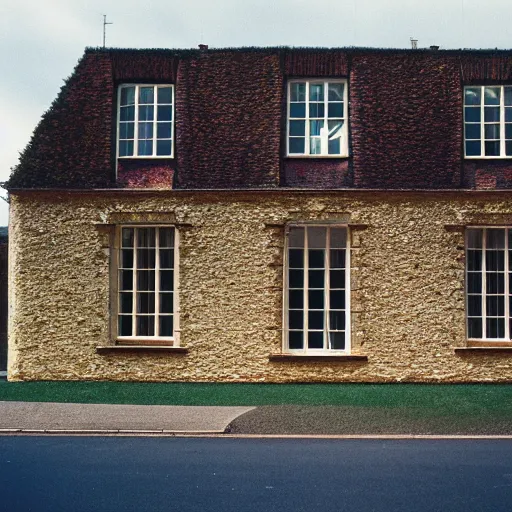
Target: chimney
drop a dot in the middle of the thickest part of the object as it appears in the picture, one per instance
(203, 47)
(434, 48)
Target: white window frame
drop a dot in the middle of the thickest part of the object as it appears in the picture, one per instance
(501, 122)
(136, 121)
(174, 340)
(484, 293)
(305, 350)
(325, 132)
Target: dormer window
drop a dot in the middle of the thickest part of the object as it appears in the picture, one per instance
(317, 118)
(145, 121)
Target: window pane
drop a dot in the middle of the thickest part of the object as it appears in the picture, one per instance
(474, 260)
(495, 282)
(295, 319)
(472, 131)
(335, 110)
(508, 131)
(491, 114)
(474, 327)
(316, 92)
(125, 325)
(473, 148)
(337, 299)
(316, 110)
(146, 237)
(296, 299)
(508, 148)
(164, 147)
(145, 280)
(298, 128)
(146, 113)
(298, 91)
(296, 258)
(163, 130)
(337, 279)
(492, 131)
(145, 302)
(166, 302)
(474, 238)
(338, 237)
(472, 114)
(296, 340)
(337, 258)
(146, 258)
(125, 148)
(146, 95)
(125, 302)
(164, 113)
(336, 92)
(316, 320)
(316, 299)
(166, 237)
(296, 237)
(316, 258)
(145, 325)
(495, 305)
(166, 325)
(492, 95)
(508, 115)
(126, 280)
(492, 149)
(166, 280)
(316, 278)
(315, 128)
(337, 320)
(474, 305)
(145, 147)
(126, 130)
(296, 278)
(472, 95)
(127, 258)
(337, 340)
(127, 237)
(508, 96)
(334, 147)
(164, 95)
(495, 238)
(297, 145)
(317, 238)
(315, 146)
(474, 282)
(494, 260)
(495, 327)
(145, 131)
(297, 110)
(127, 96)
(127, 114)
(315, 339)
(166, 258)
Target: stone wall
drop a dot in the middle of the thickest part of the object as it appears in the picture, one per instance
(407, 285)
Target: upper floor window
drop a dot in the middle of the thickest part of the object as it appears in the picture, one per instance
(317, 118)
(488, 121)
(145, 121)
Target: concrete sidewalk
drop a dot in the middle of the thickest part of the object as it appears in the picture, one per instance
(47, 416)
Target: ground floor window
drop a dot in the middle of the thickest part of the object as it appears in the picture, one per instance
(317, 290)
(146, 283)
(488, 283)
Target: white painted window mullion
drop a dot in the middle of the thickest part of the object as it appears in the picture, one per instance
(307, 142)
(157, 282)
(482, 122)
(502, 121)
(327, 287)
(155, 108)
(484, 284)
(136, 123)
(306, 289)
(134, 283)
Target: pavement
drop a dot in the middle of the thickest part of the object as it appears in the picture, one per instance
(275, 420)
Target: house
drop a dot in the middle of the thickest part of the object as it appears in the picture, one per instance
(267, 214)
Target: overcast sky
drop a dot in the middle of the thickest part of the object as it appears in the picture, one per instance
(41, 40)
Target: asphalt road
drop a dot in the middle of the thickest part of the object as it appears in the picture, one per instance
(222, 475)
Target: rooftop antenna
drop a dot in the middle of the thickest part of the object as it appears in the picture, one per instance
(105, 23)
(414, 43)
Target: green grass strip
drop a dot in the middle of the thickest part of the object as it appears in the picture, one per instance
(438, 398)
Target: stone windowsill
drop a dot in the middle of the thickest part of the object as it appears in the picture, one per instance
(293, 358)
(168, 349)
(491, 349)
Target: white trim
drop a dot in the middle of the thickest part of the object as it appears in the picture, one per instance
(136, 121)
(323, 136)
(347, 331)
